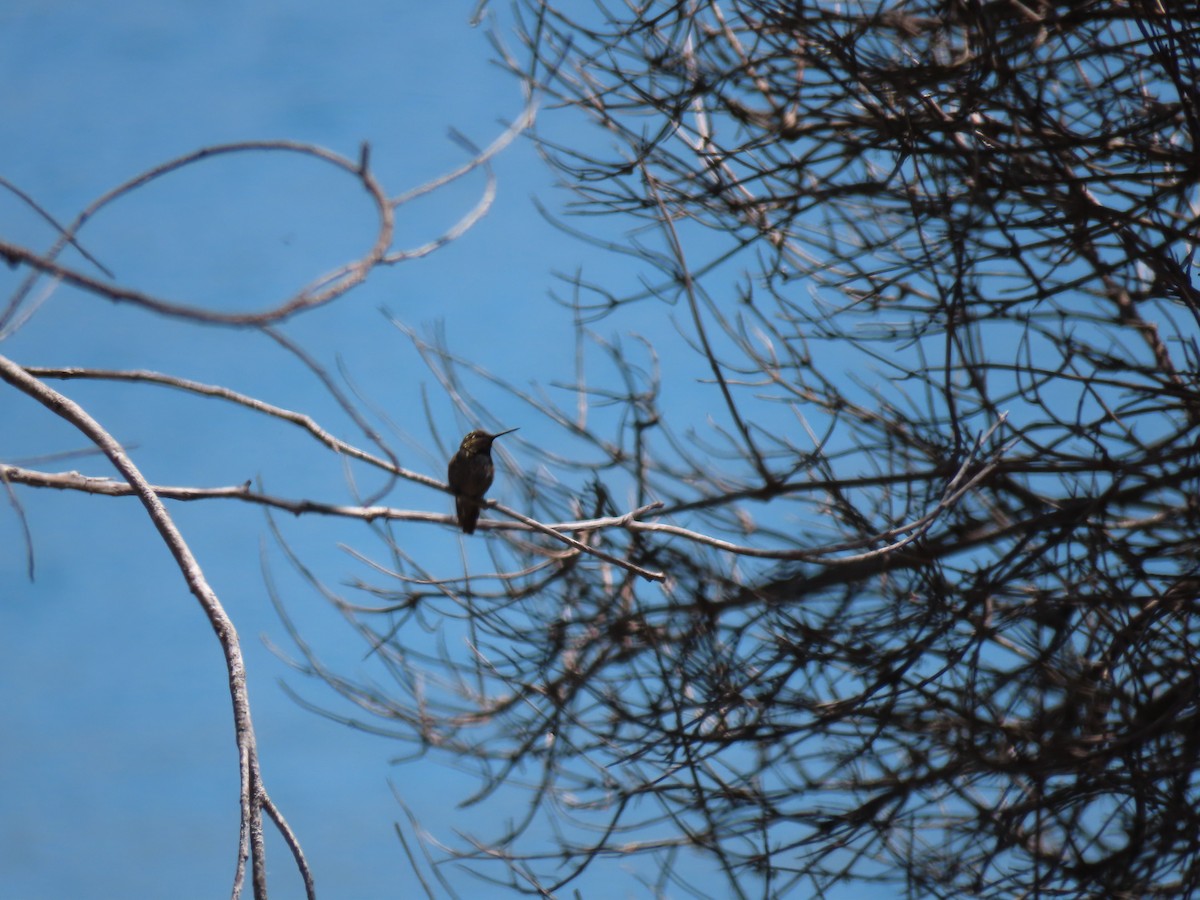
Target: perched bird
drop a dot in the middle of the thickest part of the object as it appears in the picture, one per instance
(470, 476)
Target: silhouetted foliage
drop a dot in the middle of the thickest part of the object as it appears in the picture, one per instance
(930, 555)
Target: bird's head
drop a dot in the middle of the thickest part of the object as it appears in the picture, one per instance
(481, 441)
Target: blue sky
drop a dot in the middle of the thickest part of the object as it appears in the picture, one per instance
(118, 767)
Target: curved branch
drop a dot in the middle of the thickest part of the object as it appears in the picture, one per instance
(253, 794)
(318, 293)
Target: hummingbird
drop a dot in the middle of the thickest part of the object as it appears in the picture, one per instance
(470, 476)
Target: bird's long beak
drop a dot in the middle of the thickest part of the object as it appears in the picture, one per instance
(510, 431)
